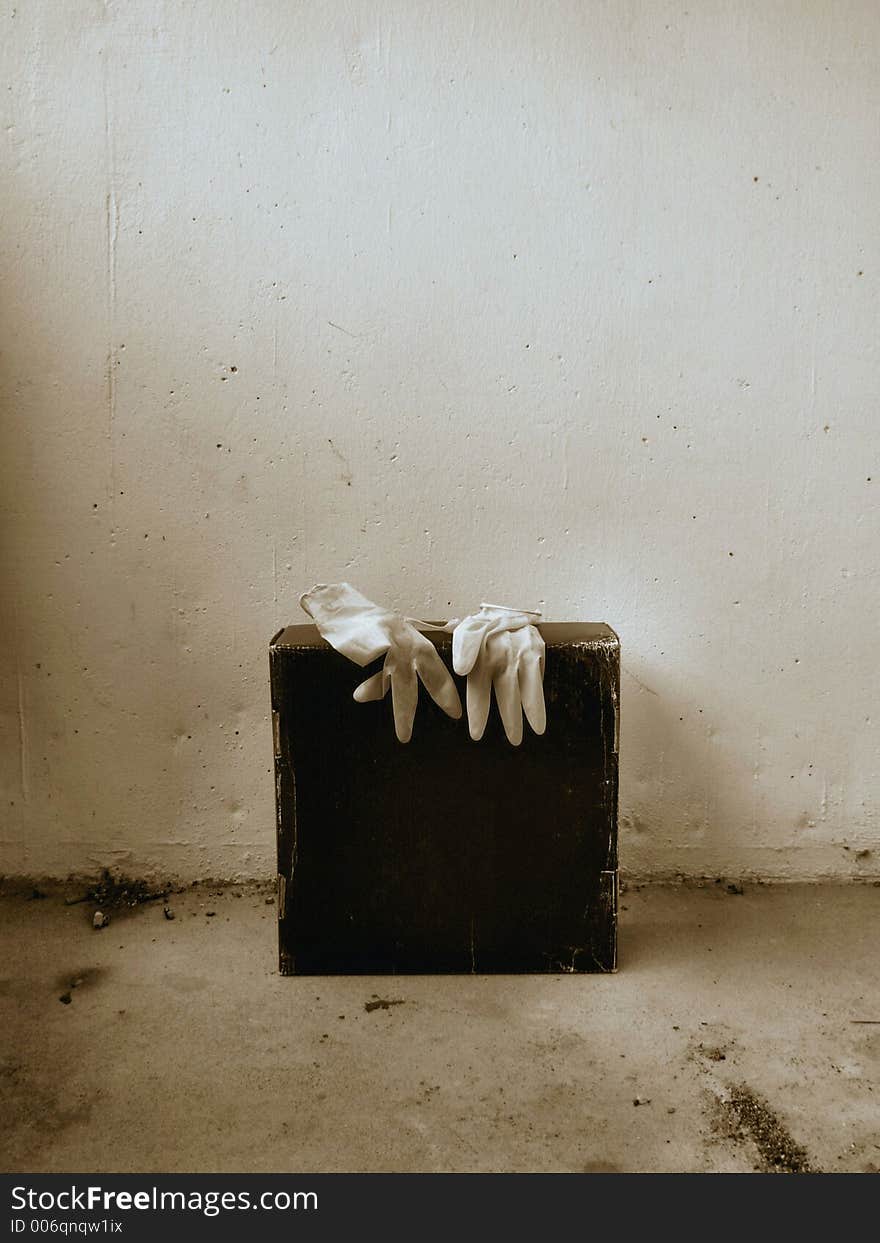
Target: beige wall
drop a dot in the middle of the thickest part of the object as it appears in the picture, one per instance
(571, 305)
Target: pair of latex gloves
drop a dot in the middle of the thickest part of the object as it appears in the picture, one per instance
(497, 647)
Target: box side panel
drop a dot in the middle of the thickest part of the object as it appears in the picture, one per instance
(445, 855)
(285, 806)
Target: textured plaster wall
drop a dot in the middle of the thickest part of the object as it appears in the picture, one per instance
(571, 305)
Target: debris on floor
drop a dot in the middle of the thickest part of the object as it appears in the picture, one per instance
(747, 1116)
(730, 886)
(100, 920)
(167, 912)
(86, 976)
(118, 892)
(714, 1054)
(537, 1074)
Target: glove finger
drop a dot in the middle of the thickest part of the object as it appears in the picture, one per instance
(438, 681)
(405, 698)
(375, 687)
(531, 688)
(509, 703)
(479, 694)
(467, 639)
(527, 651)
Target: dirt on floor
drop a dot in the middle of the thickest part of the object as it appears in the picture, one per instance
(741, 1033)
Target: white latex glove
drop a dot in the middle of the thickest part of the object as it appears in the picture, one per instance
(501, 647)
(363, 631)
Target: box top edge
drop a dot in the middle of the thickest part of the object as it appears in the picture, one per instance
(306, 635)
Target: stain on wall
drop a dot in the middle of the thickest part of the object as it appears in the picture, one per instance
(571, 306)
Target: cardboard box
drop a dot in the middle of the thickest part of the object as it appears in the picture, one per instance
(444, 854)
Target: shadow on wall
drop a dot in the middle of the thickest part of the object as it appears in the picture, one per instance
(683, 798)
(676, 796)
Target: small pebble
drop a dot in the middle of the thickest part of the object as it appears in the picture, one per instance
(100, 920)
(167, 912)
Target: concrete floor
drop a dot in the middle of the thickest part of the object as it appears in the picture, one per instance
(732, 1022)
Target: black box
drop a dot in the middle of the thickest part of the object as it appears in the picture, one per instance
(444, 854)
